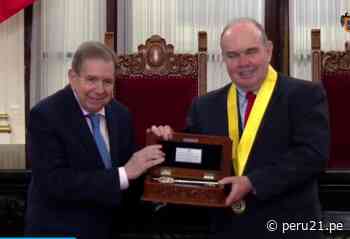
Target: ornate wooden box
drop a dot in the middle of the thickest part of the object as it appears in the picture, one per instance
(193, 165)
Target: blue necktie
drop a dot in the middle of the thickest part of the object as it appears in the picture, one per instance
(101, 144)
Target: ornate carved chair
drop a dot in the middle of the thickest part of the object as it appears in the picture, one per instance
(332, 68)
(158, 85)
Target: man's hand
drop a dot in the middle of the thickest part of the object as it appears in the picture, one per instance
(144, 159)
(166, 132)
(240, 186)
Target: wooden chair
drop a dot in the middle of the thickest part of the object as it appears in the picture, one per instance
(332, 69)
(158, 85)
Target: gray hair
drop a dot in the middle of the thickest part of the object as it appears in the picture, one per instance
(92, 50)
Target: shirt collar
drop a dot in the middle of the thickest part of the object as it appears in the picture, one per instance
(85, 113)
(242, 93)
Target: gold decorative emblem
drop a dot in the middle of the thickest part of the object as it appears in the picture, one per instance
(345, 22)
(239, 207)
(4, 123)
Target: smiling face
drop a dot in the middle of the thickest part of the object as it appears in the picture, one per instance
(246, 55)
(94, 83)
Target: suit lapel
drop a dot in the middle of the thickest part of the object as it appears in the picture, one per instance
(221, 107)
(261, 134)
(112, 128)
(222, 110)
(275, 98)
(80, 127)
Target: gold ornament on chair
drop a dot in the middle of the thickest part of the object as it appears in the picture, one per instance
(345, 22)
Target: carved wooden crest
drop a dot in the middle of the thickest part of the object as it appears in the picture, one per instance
(327, 61)
(157, 57)
(336, 60)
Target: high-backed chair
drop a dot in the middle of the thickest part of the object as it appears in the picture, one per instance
(332, 68)
(158, 85)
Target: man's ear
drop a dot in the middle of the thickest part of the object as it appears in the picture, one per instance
(72, 75)
(269, 48)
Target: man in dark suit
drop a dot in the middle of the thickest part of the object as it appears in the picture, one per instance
(280, 134)
(80, 143)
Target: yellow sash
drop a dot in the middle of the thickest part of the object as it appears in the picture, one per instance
(242, 147)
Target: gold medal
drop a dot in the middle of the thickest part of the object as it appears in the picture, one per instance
(239, 207)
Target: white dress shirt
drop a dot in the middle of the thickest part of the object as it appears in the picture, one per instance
(123, 178)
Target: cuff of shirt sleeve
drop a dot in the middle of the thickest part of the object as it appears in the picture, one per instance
(123, 178)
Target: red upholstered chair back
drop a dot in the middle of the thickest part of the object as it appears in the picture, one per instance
(332, 68)
(158, 85)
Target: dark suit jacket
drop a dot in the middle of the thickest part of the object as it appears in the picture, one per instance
(290, 150)
(70, 191)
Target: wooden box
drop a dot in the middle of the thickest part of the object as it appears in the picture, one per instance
(193, 165)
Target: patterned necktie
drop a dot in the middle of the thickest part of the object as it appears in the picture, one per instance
(250, 96)
(101, 144)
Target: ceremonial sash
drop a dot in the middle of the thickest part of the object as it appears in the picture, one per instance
(241, 147)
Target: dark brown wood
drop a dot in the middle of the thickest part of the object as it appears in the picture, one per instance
(316, 54)
(157, 57)
(202, 61)
(277, 29)
(199, 195)
(334, 183)
(330, 61)
(225, 166)
(109, 40)
(112, 21)
(28, 23)
(183, 194)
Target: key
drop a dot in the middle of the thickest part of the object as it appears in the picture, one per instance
(171, 180)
